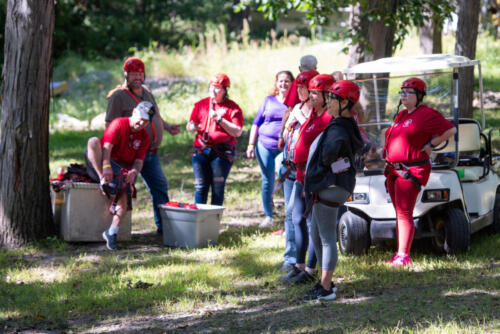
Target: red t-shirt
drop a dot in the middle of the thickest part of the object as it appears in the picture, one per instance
(410, 132)
(292, 97)
(127, 145)
(311, 128)
(216, 133)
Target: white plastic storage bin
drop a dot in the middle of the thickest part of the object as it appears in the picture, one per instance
(191, 228)
(83, 213)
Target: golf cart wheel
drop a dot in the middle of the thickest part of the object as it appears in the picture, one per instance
(495, 227)
(453, 232)
(353, 234)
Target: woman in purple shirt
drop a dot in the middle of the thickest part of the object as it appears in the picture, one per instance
(267, 126)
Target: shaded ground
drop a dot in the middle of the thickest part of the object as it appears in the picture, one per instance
(365, 302)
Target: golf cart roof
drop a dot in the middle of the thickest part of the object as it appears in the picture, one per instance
(411, 64)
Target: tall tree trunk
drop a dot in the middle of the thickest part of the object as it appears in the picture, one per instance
(377, 42)
(25, 211)
(378, 37)
(430, 35)
(467, 26)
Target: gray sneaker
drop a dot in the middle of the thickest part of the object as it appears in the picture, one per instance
(110, 240)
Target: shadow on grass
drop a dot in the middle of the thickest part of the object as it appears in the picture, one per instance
(377, 298)
(233, 236)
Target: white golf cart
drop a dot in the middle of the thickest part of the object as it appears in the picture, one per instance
(463, 192)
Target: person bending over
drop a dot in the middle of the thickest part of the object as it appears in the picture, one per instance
(119, 153)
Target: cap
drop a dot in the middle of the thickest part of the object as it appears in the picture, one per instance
(308, 62)
(146, 110)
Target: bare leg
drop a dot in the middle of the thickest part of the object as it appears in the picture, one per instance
(122, 210)
(94, 154)
(326, 279)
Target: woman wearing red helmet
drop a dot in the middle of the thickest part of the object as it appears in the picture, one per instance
(267, 126)
(408, 145)
(294, 237)
(217, 121)
(330, 179)
(309, 130)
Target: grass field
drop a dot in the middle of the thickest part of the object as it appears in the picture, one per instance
(55, 287)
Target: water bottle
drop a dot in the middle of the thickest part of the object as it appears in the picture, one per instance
(60, 173)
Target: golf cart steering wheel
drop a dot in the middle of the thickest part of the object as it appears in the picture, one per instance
(439, 148)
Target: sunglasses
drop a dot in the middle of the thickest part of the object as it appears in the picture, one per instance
(331, 97)
(406, 92)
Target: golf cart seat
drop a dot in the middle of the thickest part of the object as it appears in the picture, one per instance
(471, 164)
(469, 143)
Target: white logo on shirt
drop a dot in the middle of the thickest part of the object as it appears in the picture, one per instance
(407, 123)
(310, 128)
(136, 144)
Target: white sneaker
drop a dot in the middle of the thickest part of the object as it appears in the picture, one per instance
(267, 222)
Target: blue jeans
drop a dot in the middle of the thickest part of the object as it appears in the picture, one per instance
(290, 250)
(210, 170)
(156, 182)
(266, 157)
(302, 226)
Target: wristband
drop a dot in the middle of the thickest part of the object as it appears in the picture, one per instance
(106, 166)
(250, 146)
(219, 120)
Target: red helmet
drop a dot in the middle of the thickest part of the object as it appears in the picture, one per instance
(347, 90)
(304, 77)
(321, 82)
(220, 80)
(415, 83)
(133, 64)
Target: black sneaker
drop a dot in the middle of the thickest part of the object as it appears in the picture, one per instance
(319, 293)
(302, 277)
(110, 240)
(292, 273)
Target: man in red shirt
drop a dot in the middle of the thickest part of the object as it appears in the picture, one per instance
(122, 147)
(121, 102)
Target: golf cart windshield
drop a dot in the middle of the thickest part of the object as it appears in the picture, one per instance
(380, 82)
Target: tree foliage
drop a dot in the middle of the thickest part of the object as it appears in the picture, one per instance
(109, 28)
(406, 15)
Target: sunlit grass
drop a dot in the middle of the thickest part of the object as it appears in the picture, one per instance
(233, 287)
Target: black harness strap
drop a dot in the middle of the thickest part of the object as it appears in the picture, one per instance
(122, 186)
(289, 167)
(403, 170)
(323, 201)
(316, 199)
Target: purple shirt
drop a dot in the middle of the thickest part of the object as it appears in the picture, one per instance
(268, 119)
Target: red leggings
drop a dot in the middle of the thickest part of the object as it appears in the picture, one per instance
(403, 194)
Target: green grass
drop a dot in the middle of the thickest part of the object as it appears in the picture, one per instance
(231, 287)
